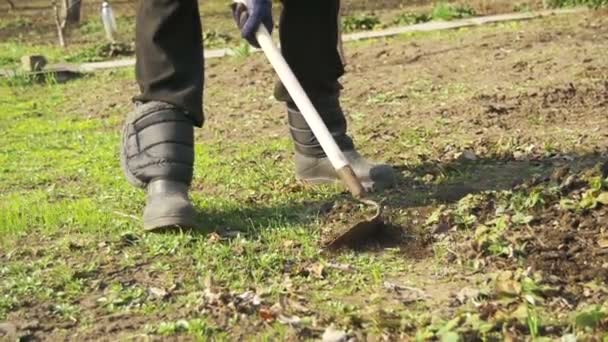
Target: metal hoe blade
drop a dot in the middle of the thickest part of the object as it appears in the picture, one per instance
(361, 232)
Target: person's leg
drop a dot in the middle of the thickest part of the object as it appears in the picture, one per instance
(311, 44)
(310, 38)
(169, 54)
(158, 137)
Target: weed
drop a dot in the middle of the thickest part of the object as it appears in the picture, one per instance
(121, 297)
(66, 311)
(360, 22)
(446, 11)
(242, 51)
(410, 18)
(196, 328)
(590, 318)
(214, 38)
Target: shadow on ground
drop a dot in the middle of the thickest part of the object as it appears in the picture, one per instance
(470, 177)
(461, 178)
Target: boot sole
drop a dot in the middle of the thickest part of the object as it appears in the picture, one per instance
(169, 223)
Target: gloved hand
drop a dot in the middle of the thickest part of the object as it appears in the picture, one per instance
(249, 19)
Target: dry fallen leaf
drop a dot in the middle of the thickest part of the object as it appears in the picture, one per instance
(603, 242)
(341, 267)
(316, 270)
(267, 314)
(467, 293)
(506, 285)
(407, 294)
(331, 334)
(214, 238)
(603, 198)
(157, 292)
(288, 244)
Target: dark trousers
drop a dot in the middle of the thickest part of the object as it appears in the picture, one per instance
(169, 50)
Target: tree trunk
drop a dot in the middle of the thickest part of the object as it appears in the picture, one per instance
(71, 9)
(59, 23)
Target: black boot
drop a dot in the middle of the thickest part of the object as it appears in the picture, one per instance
(313, 166)
(158, 154)
(168, 206)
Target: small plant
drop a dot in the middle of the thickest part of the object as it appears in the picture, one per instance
(590, 199)
(213, 38)
(121, 297)
(196, 327)
(590, 318)
(445, 11)
(410, 18)
(490, 237)
(361, 22)
(242, 51)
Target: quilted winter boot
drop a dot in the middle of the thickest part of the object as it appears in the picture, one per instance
(313, 166)
(158, 155)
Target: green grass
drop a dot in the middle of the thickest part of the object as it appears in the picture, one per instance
(571, 3)
(446, 11)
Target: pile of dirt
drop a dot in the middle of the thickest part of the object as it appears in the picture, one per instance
(341, 219)
(565, 237)
(572, 247)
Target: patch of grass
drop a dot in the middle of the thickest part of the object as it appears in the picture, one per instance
(16, 23)
(447, 11)
(195, 328)
(242, 51)
(11, 53)
(570, 3)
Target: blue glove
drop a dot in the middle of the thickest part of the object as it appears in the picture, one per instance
(249, 19)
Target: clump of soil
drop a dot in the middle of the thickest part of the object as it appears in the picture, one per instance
(356, 225)
(562, 243)
(573, 250)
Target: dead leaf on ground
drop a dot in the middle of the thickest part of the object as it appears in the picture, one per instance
(341, 267)
(602, 198)
(315, 270)
(407, 294)
(158, 292)
(214, 238)
(506, 285)
(467, 293)
(288, 244)
(332, 334)
(267, 314)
